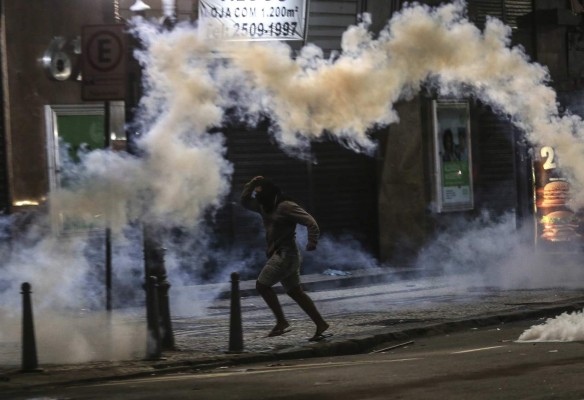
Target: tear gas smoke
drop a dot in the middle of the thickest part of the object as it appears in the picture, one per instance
(567, 327)
(342, 253)
(190, 80)
(64, 337)
(489, 251)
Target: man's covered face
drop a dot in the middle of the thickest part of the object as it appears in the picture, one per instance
(265, 194)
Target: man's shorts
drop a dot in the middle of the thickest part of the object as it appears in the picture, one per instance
(284, 267)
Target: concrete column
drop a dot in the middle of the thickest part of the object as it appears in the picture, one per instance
(403, 200)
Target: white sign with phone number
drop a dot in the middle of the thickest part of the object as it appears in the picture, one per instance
(254, 19)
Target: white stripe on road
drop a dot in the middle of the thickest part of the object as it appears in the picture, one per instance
(479, 349)
(264, 370)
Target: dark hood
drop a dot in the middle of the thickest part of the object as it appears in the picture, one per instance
(268, 197)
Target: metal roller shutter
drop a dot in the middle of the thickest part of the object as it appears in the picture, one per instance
(338, 189)
(345, 193)
(328, 20)
(507, 11)
(253, 153)
(496, 183)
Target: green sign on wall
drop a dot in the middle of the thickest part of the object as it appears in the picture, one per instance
(76, 129)
(81, 132)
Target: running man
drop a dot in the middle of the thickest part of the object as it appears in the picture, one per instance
(280, 216)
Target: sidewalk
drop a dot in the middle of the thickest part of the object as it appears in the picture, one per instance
(367, 310)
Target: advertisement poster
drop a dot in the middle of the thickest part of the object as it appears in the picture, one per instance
(454, 186)
(254, 19)
(558, 228)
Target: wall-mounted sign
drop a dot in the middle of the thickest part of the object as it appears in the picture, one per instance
(453, 175)
(254, 19)
(104, 62)
(558, 228)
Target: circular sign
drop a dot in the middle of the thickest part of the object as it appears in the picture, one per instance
(104, 51)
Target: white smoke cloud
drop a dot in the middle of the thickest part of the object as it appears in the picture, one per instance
(337, 254)
(190, 80)
(567, 327)
(76, 337)
(181, 175)
(51, 265)
(471, 245)
(490, 251)
(183, 171)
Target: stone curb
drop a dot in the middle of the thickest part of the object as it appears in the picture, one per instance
(323, 282)
(351, 346)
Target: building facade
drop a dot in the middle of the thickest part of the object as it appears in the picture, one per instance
(389, 202)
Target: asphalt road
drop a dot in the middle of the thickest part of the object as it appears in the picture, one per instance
(485, 363)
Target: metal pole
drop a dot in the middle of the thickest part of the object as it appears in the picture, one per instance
(235, 327)
(108, 233)
(108, 269)
(164, 309)
(29, 352)
(154, 266)
(153, 345)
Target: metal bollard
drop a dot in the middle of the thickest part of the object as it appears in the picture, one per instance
(165, 319)
(29, 352)
(154, 265)
(235, 328)
(167, 334)
(153, 344)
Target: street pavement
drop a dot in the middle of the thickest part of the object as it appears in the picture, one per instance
(367, 310)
